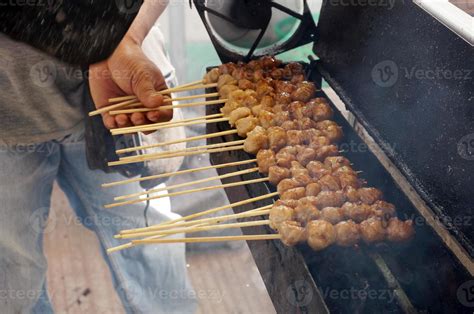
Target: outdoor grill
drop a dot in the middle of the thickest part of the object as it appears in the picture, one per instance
(407, 81)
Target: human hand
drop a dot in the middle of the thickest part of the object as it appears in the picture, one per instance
(128, 72)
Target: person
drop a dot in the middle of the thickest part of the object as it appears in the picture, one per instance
(42, 137)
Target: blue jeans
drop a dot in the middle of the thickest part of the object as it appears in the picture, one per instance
(148, 279)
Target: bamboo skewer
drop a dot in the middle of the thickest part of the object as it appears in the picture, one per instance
(197, 223)
(170, 174)
(181, 185)
(197, 152)
(167, 100)
(173, 89)
(138, 127)
(204, 228)
(111, 107)
(207, 188)
(210, 239)
(191, 104)
(167, 224)
(173, 152)
(189, 139)
(176, 227)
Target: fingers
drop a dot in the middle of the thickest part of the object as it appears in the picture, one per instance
(160, 116)
(146, 82)
(109, 121)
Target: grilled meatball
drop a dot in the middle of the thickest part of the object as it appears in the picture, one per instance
(304, 92)
(321, 234)
(276, 137)
(347, 233)
(372, 230)
(399, 231)
(294, 68)
(279, 214)
(263, 89)
(332, 214)
(317, 169)
(330, 199)
(369, 195)
(267, 101)
(239, 113)
(283, 98)
(291, 232)
(287, 184)
(319, 141)
(344, 170)
(326, 151)
(348, 180)
(310, 135)
(277, 74)
(256, 140)
(306, 155)
(284, 159)
(265, 160)
(294, 194)
(266, 119)
(211, 76)
(335, 162)
(225, 79)
(290, 125)
(225, 90)
(334, 133)
(298, 78)
(313, 189)
(294, 137)
(357, 212)
(246, 84)
(230, 106)
(351, 194)
(296, 110)
(269, 62)
(284, 87)
(305, 211)
(227, 68)
(329, 183)
(277, 174)
(280, 117)
(245, 125)
(288, 203)
(320, 109)
(383, 209)
(305, 123)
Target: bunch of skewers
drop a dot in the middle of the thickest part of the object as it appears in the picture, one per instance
(322, 200)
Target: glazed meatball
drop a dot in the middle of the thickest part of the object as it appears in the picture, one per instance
(227, 68)
(329, 183)
(334, 133)
(225, 90)
(347, 233)
(256, 140)
(305, 123)
(294, 68)
(335, 162)
(321, 234)
(383, 209)
(330, 199)
(372, 230)
(290, 125)
(320, 109)
(351, 194)
(304, 92)
(344, 170)
(310, 135)
(305, 211)
(287, 184)
(277, 74)
(279, 214)
(263, 89)
(246, 84)
(280, 116)
(288, 203)
(265, 160)
(283, 98)
(348, 180)
(276, 137)
(284, 87)
(306, 155)
(317, 169)
(245, 125)
(357, 212)
(326, 151)
(267, 101)
(211, 76)
(277, 174)
(291, 232)
(313, 189)
(284, 159)
(294, 137)
(399, 231)
(296, 110)
(225, 79)
(266, 119)
(332, 214)
(294, 194)
(230, 106)
(239, 113)
(369, 195)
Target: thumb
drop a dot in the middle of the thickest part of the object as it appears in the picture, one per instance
(146, 82)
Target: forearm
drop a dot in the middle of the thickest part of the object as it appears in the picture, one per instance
(149, 12)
